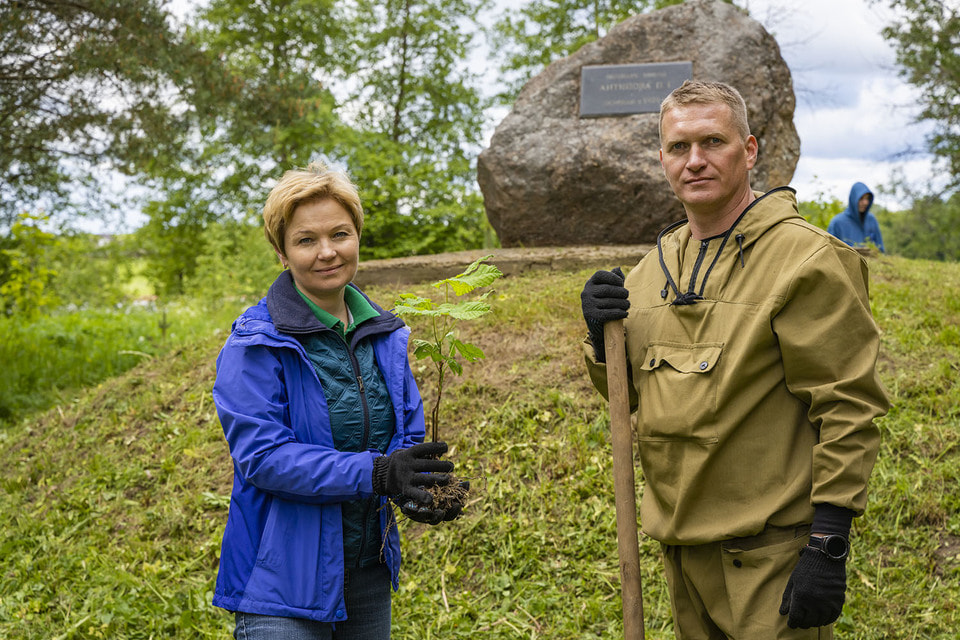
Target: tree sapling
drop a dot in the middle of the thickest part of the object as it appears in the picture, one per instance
(444, 348)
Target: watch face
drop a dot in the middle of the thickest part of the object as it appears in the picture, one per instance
(835, 547)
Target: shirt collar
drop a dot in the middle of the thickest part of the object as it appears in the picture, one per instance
(359, 310)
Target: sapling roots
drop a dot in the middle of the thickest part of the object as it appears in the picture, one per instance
(445, 496)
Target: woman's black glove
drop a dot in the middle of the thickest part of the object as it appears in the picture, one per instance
(604, 298)
(431, 515)
(815, 592)
(404, 471)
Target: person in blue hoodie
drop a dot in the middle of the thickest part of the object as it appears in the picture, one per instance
(325, 426)
(855, 225)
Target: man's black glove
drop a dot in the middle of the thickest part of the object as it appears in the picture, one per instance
(815, 592)
(604, 298)
(404, 471)
(432, 515)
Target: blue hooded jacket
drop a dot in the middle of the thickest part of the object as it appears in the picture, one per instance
(853, 229)
(282, 551)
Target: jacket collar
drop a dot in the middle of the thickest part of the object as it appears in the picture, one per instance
(290, 314)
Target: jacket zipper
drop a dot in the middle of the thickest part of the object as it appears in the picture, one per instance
(364, 444)
(696, 265)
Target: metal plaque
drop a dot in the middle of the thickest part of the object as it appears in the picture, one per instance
(623, 89)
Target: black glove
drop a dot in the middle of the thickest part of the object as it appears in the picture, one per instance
(815, 592)
(604, 298)
(405, 470)
(431, 515)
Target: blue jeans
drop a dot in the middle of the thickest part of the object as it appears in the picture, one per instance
(367, 595)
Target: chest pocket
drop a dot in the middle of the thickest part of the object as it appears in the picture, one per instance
(678, 391)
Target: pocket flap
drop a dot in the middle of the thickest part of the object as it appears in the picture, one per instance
(685, 358)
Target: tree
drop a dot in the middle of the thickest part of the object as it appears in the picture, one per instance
(926, 37)
(85, 88)
(418, 115)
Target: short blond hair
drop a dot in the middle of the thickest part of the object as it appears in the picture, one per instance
(299, 186)
(699, 92)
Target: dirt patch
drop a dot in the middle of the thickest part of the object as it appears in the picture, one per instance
(947, 554)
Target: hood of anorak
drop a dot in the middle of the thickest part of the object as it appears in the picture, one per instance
(857, 191)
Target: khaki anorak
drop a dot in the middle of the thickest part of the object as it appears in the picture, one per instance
(757, 401)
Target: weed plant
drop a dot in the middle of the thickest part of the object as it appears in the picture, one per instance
(115, 501)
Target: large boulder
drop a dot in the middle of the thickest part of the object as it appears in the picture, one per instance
(552, 178)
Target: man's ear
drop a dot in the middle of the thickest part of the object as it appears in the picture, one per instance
(753, 151)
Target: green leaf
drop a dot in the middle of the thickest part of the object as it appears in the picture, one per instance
(412, 304)
(468, 310)
(469, 351)
(423, 349)
(455, 366)
(473, 277)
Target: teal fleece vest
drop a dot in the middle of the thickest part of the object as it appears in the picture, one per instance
(361, 417)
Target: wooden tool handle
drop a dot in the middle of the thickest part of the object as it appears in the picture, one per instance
(628, 546)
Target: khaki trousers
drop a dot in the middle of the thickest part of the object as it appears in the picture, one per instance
(731, 590)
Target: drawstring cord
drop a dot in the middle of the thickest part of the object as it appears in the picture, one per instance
(740, 244)
(666, 272)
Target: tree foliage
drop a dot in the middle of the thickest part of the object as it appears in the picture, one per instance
(204, 117)
(926, 36)
(86, 87)
(928, 230)
(25, 275)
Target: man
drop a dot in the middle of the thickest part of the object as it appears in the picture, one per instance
(752, 354)
(856, 225)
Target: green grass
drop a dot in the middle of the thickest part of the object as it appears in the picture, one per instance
(116, 499)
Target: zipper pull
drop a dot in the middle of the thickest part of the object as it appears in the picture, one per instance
(360, 383)
(740, 243)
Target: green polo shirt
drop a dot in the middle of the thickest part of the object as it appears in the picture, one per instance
(358, 310)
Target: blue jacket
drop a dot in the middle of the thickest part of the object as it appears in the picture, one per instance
(853, 229)
(282, 551)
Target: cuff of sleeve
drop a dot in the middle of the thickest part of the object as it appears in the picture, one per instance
(595, 331)
(831, 519)
(380, 466)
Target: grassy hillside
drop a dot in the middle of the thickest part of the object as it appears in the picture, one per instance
(114, 504)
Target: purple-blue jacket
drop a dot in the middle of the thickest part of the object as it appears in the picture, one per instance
(282, 551)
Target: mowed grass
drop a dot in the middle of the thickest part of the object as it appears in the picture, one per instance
(114, 503)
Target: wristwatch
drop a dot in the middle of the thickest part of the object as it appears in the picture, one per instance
(834, 547)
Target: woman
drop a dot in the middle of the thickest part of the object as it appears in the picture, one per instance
(320, 409)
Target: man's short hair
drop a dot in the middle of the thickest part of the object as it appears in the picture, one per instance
(700, 92)
(300, 186)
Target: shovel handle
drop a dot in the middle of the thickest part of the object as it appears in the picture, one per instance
(624, 487)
